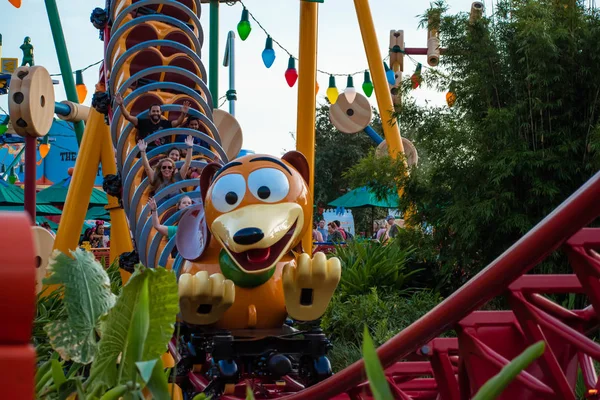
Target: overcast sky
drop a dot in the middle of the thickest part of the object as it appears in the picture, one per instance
(266, 106)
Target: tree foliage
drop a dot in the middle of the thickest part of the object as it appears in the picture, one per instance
(522, 136)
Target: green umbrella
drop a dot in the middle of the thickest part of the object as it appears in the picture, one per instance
(362, 197)
(98, 213)
(57, 193)
(11, 194)
(40, 209)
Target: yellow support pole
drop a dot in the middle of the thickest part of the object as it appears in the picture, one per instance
(307, 102)
(120, 237)
(382, 91)
(82, 183)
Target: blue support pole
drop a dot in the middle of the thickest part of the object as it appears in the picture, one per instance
(62, 109)
(373, 135)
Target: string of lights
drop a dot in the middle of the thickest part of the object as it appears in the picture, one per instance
(82, 69)
(244, 28)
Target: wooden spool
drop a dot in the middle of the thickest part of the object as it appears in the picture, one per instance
(412, 156)
(44, 242)
(351, 118)
(31, 101)
(230, 132)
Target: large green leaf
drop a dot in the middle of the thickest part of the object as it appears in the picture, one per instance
(87, 296)
(163, 309)
(377, 382)
(496, 385)
(153, 375)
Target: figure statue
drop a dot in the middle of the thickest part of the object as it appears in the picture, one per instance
(27, 49)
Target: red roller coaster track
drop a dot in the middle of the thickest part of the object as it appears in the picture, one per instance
(438, 368)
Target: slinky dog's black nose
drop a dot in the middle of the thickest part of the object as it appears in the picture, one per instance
(248, 236)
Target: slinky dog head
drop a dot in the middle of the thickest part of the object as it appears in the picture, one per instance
(257, 207)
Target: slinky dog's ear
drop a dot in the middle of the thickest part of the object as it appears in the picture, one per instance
(206, 177)
(299, 162)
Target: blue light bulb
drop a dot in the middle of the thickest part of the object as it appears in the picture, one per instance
(268, 54)
(391, 76)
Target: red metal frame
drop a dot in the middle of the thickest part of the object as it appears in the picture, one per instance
(17, 306)
(488, 339)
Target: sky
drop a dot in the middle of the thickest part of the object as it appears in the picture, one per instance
(267, 107)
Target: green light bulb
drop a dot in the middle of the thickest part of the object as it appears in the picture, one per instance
(367, 85)
(244, 28)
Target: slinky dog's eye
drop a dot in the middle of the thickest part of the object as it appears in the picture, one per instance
(268, 184)
(228, 192)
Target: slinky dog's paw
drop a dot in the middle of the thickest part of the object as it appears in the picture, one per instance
(202, 299)
(308, 285)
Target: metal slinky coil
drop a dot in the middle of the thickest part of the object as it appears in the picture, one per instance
(152, 55)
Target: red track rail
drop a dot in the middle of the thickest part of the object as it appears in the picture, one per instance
(533, 318)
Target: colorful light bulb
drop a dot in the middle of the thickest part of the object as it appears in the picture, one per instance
(367, 85)
(244, 28)
(44, 147)
(389, 74)
(268, 54)
(416, 78)
(332, 91)
(12, 178)
(450, 98)
(80, 86)
(350, 91)
(291, 75)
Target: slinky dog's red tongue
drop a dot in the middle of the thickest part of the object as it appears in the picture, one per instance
(258, 255)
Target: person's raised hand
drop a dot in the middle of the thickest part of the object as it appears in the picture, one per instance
(152, 204)
(189, 141)
(142, 145)
(118, 99)
(186, 107)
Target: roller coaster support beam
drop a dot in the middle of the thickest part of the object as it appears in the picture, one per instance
(382, 92)
(96, 147)
(30, 176)
(307, 102)
(63, 60)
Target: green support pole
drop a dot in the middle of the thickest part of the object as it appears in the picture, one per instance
(213, 72)
(63, 60)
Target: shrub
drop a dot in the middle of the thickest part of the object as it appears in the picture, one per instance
(385, 314)
(369, 264)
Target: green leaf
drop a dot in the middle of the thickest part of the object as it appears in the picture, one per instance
(58, 374)
(249, 394)
(87, 296)
(377, 382)
(156, 381)
(163, 309)
(137, 334)
(145, 369)
(496, 385)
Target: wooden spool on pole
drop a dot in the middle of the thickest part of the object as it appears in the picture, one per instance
(412, 156)
(31, 101)
(31, 108)
(351, 118)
